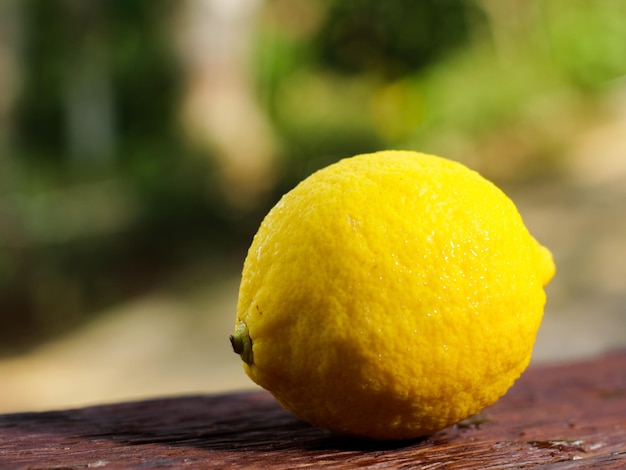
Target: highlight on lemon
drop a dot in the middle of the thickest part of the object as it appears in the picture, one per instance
(390, 295)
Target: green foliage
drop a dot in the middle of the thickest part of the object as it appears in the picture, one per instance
(78, 233)
(438, 76)
(390, 38)
(83, 233)
(588, 40)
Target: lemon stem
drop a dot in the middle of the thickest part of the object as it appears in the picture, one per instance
(242, 343)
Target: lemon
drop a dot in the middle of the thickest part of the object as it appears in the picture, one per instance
(390, 295)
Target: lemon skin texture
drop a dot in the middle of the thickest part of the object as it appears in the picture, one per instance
(390, 295)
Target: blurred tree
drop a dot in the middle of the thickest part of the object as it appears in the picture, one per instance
(329, 85)
(126, 122)
(103, 196)
(87, 87)
(11, 23)
(391, 38)
(98, 80)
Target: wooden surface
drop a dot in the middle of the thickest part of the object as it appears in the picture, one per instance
(568, 417)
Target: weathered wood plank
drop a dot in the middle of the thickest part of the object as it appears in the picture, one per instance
(572, 416)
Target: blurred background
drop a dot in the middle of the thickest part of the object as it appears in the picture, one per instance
(141, 143)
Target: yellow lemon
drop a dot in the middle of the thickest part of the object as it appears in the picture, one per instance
(390, 295)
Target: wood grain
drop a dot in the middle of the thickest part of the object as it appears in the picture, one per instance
(564, 416)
